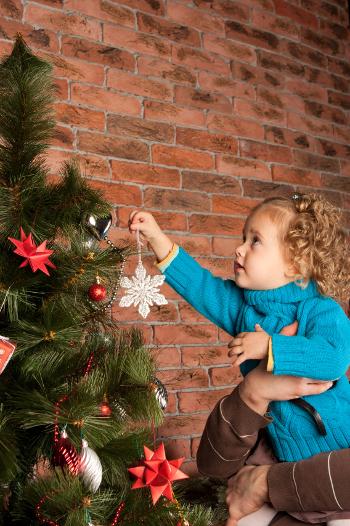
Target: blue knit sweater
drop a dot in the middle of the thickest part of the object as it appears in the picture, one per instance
(320, 350)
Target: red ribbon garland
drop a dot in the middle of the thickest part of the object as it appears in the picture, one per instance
(118, 513)
(40, 516)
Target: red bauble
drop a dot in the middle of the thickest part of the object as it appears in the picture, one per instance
(105, 410)
(65, 454)
(97, 292)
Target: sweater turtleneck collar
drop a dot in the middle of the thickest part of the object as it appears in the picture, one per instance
(272, 300)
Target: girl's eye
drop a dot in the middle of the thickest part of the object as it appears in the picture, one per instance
(255, 240)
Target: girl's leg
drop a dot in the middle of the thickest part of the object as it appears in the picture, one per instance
(261, 517)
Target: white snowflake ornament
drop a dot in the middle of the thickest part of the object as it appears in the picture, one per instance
(142, 289)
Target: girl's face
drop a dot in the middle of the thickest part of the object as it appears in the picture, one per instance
(260, 263)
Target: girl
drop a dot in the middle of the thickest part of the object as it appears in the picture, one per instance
(293, 259)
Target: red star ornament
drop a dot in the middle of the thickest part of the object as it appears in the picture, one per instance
(36, 256)
(158, 473)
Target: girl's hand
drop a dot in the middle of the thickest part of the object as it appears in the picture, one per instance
(145, 223)
(249, 345)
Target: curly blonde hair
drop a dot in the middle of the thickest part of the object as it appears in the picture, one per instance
(314, 241)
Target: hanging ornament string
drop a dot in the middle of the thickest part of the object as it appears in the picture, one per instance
(142, 290)
(118, 513)
(39, 514)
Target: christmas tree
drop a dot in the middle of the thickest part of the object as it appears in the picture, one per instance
(79, 397)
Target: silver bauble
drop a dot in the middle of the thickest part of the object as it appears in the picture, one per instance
(90, 467)
(99, 226)
(160, 392)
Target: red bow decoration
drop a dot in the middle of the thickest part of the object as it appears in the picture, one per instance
(158, 473)
(36, 256)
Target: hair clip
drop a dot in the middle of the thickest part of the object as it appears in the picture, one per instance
(295, 197)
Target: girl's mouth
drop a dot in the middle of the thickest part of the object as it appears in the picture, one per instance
(237, 267)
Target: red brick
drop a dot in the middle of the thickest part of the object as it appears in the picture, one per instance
(63, 137)
(157, 7)
(137, 85)
(58, 4)
(195, 18)
(341, 133)
(145, 174)
(342, 184)
(224, 376)
(252, 36)
(159, 314)
(113, 146)
(176, 199)
(134, 127)
(324, 9)
(263, 189)
(171, 407)
(11, 8)
(167, 29)
(280, 26)
(309, 124)
(80, 117)
(204, 356)
(160, 68)
(92, 52)
(261, 111)
(75, 69)
(166, 220)
(181, 157)
(105, 99)
(281, 64)
(316, 162)
(240, 167)
(184, 334)
(331, 148)
(187, 313)
(199, 59)
(305, 54)
(206, 141)
(194, 447)
(306, 89)
(174, 114)
(201, 400)
(167, 356)
(321, 42)
(202, 99)
(224, 204)
(196, 246)
(279, 100)
(61, 89)
(238, 126)
(65, 22)
(215, 224)
(182, 426)
(342, 67)
(227, 9)
(222, 246)
(229, 48)
(118, 193)
(222, 267)
(36, 38)
(325, 112)
(210, 183)
(296, 176)
(176, 379)
(301, 16)
(339, 99)
(256, 75)
(178, 448)
(345, 168)
(104, 10)
(225, 85)
(332, 29)
(288, 137)
(134, 41)
(265, 152)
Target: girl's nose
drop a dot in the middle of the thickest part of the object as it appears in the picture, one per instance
(239, 251)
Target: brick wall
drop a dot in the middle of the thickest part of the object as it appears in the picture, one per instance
(195, 110)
